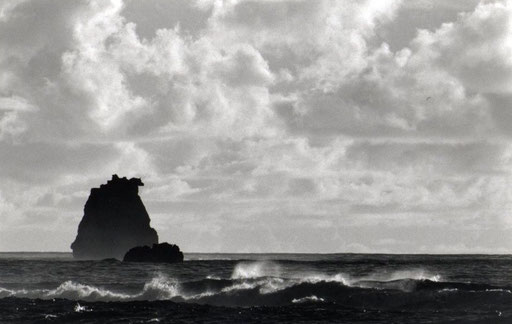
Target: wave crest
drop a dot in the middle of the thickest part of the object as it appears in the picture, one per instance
(308, 299)
(263, 283)
(159, 287)
(73, 290)
(246, 270)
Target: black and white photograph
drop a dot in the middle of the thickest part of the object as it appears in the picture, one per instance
(256, 161)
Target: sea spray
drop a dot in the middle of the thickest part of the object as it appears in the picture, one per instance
(308, 299)
(77, 291)
(257, 269)
(350, 282)
(262, 277)
(158, 288)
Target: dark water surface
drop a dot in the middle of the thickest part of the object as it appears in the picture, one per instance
(255, 288)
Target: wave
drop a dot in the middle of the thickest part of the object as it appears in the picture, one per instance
(264, 283)
(158, 288)
(308, 299)
(246, 270)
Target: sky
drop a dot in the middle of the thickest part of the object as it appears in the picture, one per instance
(262, 126)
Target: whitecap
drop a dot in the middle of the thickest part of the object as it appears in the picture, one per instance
(307, 299)
(79, 308)
(212, 277)
(507, 291)
(73, 290)
(160, 287)
(246, 270)
(449, 290)
(413, 274)
(6, 292)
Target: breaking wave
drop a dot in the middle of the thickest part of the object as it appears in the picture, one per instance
(264, 283)
(308, 299)
(158, 288)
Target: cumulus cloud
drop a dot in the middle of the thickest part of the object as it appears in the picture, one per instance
(476, 48)
(313, 125)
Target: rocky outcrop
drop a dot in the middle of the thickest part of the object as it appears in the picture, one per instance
(164, 252)
(115, 220)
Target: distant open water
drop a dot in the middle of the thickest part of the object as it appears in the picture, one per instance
(255, 288)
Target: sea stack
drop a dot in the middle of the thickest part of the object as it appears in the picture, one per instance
(115, 220)
(159, 253)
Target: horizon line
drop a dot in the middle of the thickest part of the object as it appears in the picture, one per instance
(304, 253)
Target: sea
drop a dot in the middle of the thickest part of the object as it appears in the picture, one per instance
(258, 288)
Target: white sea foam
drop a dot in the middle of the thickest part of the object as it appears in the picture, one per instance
(351, 281)
(399, 280)
(160, 287)
(273, 281)
(266, 285)
(415, 274)
(266, 277)
(199, 296)
(73, 290)
(241, 286)
(383, 277)
(257, 269)
(311, 298)
(447, 290)
(6, 292)
(341, 278)
(79, 308)
(26, 293)
(213, 277)
(507, 291)
(272, 285)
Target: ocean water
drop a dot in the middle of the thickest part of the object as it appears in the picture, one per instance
(256, 288)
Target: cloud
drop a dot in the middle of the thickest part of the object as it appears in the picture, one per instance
(476, 48)
(444, 159)
(316, 125)
(45, 162)
(11, 125)
(394, 96)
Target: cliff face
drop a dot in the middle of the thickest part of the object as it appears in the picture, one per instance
(115, 220)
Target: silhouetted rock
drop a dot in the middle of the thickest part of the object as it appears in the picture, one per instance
(115, 220)
(163, 252)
